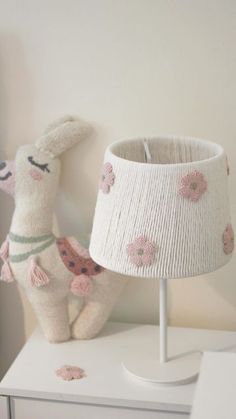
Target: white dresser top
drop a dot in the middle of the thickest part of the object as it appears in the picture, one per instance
(33, 372)
(215, 396)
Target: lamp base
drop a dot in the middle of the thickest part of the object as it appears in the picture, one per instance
(182, 369)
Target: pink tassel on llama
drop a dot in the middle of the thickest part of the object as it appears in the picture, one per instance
(4, 251)
(36, 276)
(6, 273)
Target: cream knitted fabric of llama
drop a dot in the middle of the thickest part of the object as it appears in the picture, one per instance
(163, 215)
(51, 269)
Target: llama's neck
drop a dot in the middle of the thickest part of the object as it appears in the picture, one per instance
(30, 219)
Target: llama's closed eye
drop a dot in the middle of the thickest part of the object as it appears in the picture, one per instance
(43, 167)
(6, 176)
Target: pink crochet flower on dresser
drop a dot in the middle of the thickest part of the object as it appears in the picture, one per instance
(141, 251)
(107, 178)
(193, 186)
(70, 372)
(228, 239)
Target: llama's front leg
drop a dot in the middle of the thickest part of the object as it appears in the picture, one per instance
(54, 320)
(98, 306)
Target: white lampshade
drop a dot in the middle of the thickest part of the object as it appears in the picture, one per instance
(162, 208)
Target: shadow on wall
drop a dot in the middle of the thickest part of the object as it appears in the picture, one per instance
(133, 301)
(225, 286)
(12, 336)
(15, 102)
(77, 198)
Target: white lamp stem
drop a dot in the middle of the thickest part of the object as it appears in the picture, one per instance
(163, 320)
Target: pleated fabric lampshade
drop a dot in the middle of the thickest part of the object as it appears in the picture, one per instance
(162, 208)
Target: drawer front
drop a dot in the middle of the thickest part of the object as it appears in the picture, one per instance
(4, 407)
(39, 409)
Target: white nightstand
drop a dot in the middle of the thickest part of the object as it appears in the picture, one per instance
(215, 393)
(31, 390)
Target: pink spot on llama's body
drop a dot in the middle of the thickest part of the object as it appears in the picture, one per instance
(107, 178)
(193, 186)
(35, 174)
(141, 251)
(228, 239)
(70, 372)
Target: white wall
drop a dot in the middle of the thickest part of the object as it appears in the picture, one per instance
(132, 67)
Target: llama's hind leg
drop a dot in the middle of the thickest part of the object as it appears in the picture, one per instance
(54, 320)
(98, 306)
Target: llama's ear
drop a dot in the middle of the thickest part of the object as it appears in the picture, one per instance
(60, 121)
(62, 135)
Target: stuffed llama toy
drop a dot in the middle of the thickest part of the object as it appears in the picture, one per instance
(49, 268)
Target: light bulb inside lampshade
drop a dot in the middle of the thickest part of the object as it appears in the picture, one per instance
(165, 215)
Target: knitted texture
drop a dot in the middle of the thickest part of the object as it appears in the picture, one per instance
(62, 135)
(6, 273)
(166, 218)
(81, 285)
(48, 270)
(7, 176)
(74, 261)
(4, 251)
(70, 372)
(35, 275)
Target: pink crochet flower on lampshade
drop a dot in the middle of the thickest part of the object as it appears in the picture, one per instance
(193, 186)
(70, 372)
(141, 251)
(228, 239)
(82, 285)
(107, 178)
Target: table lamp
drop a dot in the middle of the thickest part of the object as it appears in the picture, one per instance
(163, 212)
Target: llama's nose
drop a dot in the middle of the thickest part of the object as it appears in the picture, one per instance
(2, 165)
